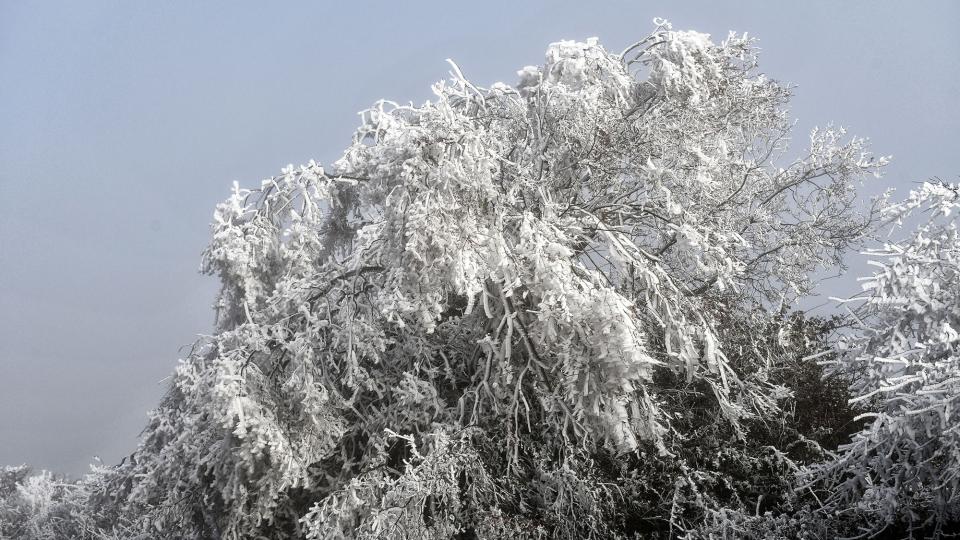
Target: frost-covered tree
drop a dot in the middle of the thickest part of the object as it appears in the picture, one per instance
(499, 307)
(44, 506)
(902, 471)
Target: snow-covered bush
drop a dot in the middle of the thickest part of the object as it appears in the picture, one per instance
(897, 475)
(900, 472)
(44, 506)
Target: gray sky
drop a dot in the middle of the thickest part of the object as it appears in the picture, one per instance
(122, 124)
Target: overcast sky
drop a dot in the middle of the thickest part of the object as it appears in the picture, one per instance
(122, 124)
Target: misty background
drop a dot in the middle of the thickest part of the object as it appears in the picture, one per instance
(122, 124)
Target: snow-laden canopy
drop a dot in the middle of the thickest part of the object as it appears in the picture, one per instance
(484, 289)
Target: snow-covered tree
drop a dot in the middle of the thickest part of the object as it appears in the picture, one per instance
(44, 506)
(497, 307)
(902, 471)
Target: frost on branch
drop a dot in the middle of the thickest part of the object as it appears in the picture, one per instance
(496, 304)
